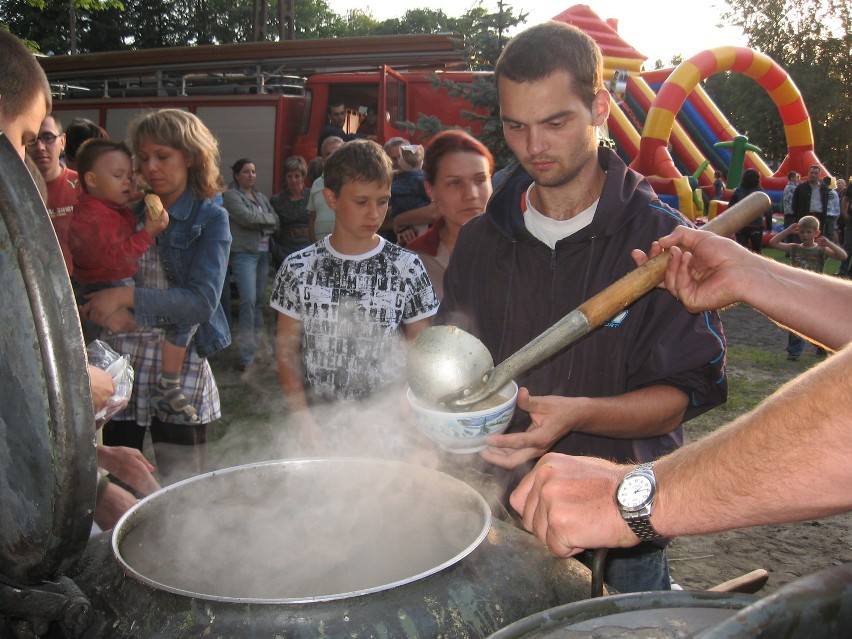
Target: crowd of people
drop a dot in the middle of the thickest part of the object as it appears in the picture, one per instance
(369, 245)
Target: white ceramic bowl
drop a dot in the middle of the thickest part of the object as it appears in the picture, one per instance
(464, 432)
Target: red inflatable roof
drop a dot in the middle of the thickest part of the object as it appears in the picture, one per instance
(604, 32)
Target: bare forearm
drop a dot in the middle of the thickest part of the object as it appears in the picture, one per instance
(712, 272)
(424, 215)
(647, 412)
(289, 362)
(789, 460)
(770, 286)
(290, 380)
(414, 329)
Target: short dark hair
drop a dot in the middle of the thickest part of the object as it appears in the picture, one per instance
(791, 174)
(237, 166)
(750, 179)
(91, 150)
(22, 78)
(78, 131)
(335, 103)
(357, 161)
(546, 48)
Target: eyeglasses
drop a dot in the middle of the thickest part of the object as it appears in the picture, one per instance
(47, 138)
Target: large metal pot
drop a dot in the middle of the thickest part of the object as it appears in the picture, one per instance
(300, 531)
(318, 548)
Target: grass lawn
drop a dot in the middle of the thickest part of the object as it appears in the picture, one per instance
(755, 371)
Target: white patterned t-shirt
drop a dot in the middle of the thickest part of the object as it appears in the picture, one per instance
(351, 309)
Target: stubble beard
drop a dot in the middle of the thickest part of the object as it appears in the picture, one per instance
(562, 176)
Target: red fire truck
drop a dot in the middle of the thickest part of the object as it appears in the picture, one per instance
(267, 100)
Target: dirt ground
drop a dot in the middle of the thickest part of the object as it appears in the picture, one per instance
(786, 552)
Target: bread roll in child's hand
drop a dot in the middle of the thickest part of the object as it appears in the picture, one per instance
(155, 206)
(158, 218)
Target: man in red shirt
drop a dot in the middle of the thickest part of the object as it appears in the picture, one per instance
(63, 185)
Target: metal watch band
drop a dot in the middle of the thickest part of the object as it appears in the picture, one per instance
(641, 524)
(646, 466)
(643, 529)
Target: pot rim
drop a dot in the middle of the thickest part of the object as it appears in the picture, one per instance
(126, 523)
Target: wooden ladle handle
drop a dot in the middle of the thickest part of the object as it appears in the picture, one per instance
(623, 292)
(599, 308)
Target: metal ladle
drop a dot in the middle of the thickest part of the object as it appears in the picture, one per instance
(450, 367)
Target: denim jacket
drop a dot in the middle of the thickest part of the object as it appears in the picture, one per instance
(194, 252)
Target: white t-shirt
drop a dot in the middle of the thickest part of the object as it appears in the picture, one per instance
(550, 231)
(324, 220)
(816, 199)
(352, 308)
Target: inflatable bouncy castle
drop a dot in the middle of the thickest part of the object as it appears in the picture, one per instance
(665, 126)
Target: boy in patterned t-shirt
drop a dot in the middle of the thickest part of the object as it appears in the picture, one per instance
(345, 302)
(811, 254)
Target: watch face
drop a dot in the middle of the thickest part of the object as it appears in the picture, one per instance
(634, 491)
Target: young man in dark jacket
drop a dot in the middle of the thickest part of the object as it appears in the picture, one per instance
(811, 197)
(558, 231)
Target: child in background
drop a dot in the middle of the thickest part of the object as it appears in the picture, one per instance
(344, 301)
(408, 191)
(106, 242)
(810, 253)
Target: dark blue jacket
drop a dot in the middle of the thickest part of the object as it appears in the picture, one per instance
(408, 192)
(506, 287)
(802, 199)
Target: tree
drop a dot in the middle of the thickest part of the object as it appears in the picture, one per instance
(145, 24)
(486, 33)
(484, 41)
(811, 40)
(71, 8)
(417, 21)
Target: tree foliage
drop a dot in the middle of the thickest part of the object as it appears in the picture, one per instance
(112, 25)
(811, 40)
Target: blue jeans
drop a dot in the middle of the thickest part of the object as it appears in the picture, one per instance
(795, 344)
(638, 569)
(251, 274)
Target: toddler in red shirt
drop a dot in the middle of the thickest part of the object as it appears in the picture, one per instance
(107, 240)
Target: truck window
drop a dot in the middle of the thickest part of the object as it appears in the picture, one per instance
(395, 102)
(357, 98)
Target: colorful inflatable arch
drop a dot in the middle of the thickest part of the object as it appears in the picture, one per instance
(654, 159)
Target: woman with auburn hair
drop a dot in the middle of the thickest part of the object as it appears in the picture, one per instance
(458, 171)
(178, 158)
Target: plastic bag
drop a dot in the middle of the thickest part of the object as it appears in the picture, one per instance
(118, 366)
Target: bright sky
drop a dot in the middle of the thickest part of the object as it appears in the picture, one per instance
(691, 27)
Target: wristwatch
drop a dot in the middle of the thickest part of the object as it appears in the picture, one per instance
(635, 500)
